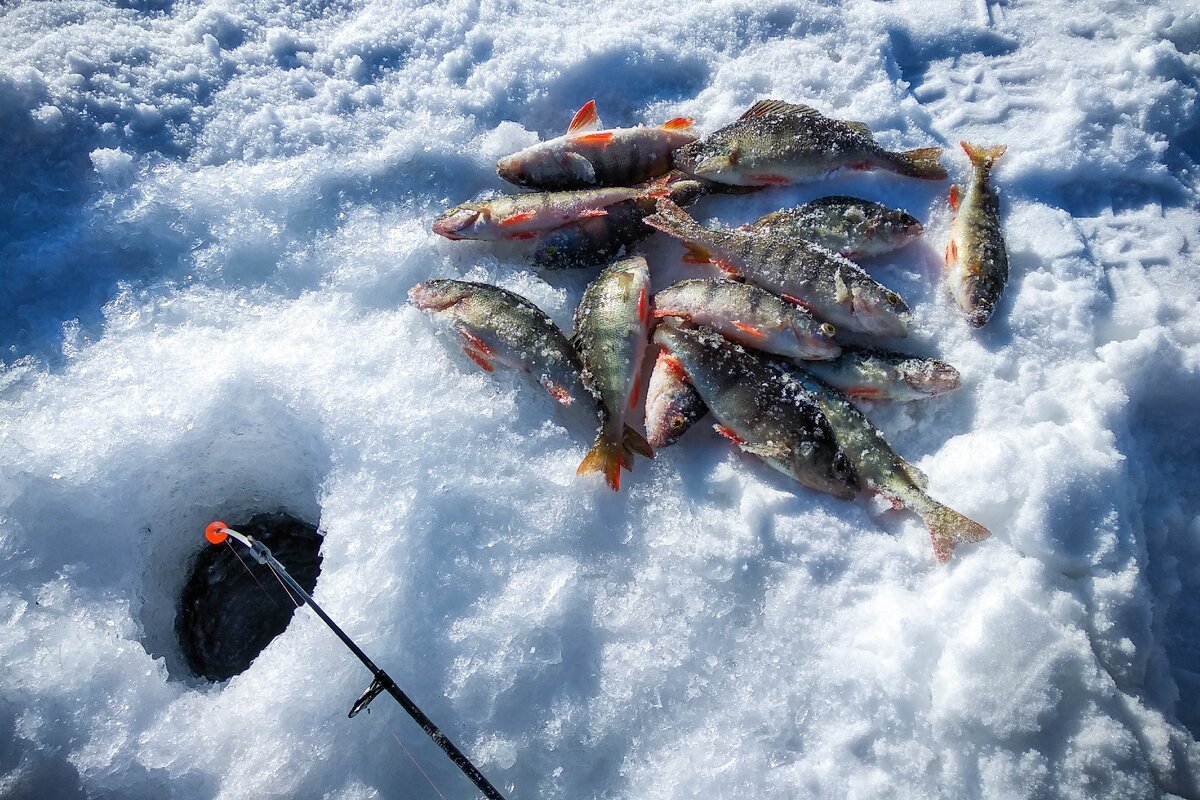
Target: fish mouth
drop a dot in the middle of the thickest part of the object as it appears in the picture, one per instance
(452, 223)
(884, 314)
(433, 296)
(509, 168)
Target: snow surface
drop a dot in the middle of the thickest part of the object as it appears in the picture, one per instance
(212, 213)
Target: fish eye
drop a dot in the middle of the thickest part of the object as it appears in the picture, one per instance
(827, 329)
(893, 298)
(676, 422)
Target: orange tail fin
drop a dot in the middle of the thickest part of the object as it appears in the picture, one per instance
(605, 457)
(948, 529)
(982, 156)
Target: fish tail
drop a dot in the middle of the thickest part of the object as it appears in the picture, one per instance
(948, 528)
(606, 457)
(671, 219)
(981, 156)
(633, 442)
(661, 186)
(924, 163)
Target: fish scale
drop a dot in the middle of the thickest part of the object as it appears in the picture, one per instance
(496, 326)
(526, 216)
(849, 226)
(585, 157)
(778, 143)
(976, 258)
(879, 468)
(762, 409)
(833, 288)
(750, 316)
(595, 240)
(611, 331)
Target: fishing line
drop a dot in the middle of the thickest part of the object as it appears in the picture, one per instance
(417, 764)
(286, 591)
(219, 533)
(250, 572)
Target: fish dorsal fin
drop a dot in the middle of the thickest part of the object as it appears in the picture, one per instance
(778, 107)
(858, 127)
(585, 119)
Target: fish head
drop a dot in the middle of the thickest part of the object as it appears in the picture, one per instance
(824, 466)
(672, 404)
(458, 222)
(891, 226)
(710, 158)
(879, 310)
(978, 301)
(547, 165)
(932, 377)
(519, 168)
(438, 294)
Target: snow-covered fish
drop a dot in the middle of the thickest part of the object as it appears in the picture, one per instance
(749, 316)
(848, 226)
(976, 258)
(672, 404)
(778, 143)
(526, 216)
(880, 469)
(762, 408)
(876, 374)
(585, 156)
(595, 240)
(833, 288)
(612, 327)
(498, 327)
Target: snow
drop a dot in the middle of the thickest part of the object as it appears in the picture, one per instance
(213, 213)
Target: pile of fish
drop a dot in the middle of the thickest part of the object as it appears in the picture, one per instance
(758, 348)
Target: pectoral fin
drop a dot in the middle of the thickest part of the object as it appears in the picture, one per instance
(842, 293)
(516, 219)
(766, 451)
(696, 254)
(577, 166)
(750, 330)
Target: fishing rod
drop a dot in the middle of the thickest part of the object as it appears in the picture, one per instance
(218, 532)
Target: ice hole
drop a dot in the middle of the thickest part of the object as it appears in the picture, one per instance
(232, 607)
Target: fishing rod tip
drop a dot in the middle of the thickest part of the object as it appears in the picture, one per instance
(215, 532)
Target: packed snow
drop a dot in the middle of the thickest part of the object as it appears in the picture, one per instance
(212, 214)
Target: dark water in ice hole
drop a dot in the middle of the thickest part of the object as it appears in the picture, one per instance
(225, 617)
